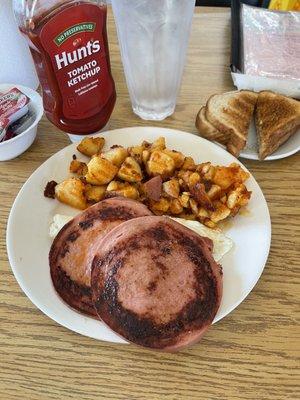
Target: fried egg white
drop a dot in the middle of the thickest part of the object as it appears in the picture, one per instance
(222, 243)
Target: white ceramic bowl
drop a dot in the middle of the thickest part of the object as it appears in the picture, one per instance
(12, 148)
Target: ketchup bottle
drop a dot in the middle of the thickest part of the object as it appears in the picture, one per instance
(68, 42)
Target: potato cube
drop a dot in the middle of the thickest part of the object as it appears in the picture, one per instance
(160, 164)
(184, 199)
(202, 213)
(175, 207)
(71, 192)
(162, 206)
(90, 146)
(209, 224)
(203, 168)
(194, 207)
(95, 193)
(228, 176)
(171, 188)
(214, 192)
(115, 155)
(159, 144)
(189, 164)
(220, 213)
(238, 197)
(145, 156)
(137, 153)
(124, 189)
(177, 157)
(209, 175)
(78, 167)
(194, 178)
(130, 170)
(100, 171)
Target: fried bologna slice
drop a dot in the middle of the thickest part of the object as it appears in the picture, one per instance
(72, 252)
(277, 118)
(155, 283)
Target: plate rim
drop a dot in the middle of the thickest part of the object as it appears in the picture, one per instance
(9, 239)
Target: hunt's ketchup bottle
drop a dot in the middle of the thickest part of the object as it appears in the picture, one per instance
(68, 42)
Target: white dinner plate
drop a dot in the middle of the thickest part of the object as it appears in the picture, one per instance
(28, 240)
(290, 147)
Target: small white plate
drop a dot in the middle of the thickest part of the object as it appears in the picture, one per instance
(290, 147)
(28, 240)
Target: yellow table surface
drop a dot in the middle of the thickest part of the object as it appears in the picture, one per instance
(253, 353)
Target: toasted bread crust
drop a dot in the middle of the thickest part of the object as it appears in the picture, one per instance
(207, 130)
(277, 118)
(231, 115)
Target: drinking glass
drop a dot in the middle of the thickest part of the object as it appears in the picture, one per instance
(153, 37)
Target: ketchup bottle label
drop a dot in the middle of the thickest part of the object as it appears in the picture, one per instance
(74, 41)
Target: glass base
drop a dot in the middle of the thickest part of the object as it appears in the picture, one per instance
(150, 115)
(77, 138)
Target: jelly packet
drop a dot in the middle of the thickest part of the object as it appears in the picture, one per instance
(13, 106)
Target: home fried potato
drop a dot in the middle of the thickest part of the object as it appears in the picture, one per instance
(94, 194)
(205, 192)
(78, 167)
(130, 170)
(71, 192)
(90, 146)
(171, 188)
(116, 155)
(123, 189)
(160, 163)
(100, 171)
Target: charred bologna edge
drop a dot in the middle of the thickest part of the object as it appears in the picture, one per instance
(103, 214)
(156, 238)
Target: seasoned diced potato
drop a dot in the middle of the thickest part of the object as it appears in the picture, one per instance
(159, 144)
(145, 156)
(160, 164)
(184, 199)
(184, 177)
(71, 192)
(209, 175)
(137, 153)
(123, 189)
(238, 197)
(227, 176)
(194, 178)
(203, 168)
(209, 224)
(177, 157)
(171, 188)
(189, 164)
(194, 207)
(214, 192)
(90, 146)
(221, 213)
(161, 206)
(175, 207)
(78, 167)
(115, 155)
(130, 170)
(100, 171)
(95, 193)
(202, 213)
